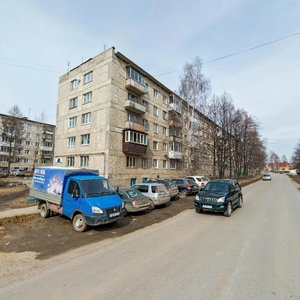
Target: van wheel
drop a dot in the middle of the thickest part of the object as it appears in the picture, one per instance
(228, 211)
(44, 210)
(79, 223)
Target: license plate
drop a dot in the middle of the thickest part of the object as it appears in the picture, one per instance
(206, 206)
(114, 214)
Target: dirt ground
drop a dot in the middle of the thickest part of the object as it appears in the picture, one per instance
(55, 235)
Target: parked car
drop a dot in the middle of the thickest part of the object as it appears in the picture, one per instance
(157, 192)
(134, 200)
(170, 185)
(200, 180)
(17, 172)
(219, 196)
(267, 177)
(186, 186)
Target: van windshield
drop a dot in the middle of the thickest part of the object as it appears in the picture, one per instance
(96, 188)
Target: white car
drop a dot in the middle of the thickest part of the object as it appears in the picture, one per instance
(200, 180)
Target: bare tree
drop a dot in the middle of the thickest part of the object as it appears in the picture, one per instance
(296, 156)
(13, 131)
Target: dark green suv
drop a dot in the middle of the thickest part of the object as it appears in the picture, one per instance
(219, 196)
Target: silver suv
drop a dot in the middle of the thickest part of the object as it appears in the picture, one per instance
(157, 192)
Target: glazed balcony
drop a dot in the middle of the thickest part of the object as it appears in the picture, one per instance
(134, 126)
(135, 87)
(135, 149)
(175, 155)
(135, 106)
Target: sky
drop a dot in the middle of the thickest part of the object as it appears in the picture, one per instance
(39, 39)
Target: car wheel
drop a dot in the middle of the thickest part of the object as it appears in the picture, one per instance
(228, 211)
(151, 206)
(44, 210)
(198, 210)
(240, 205)
(79, 223)
(185, 192)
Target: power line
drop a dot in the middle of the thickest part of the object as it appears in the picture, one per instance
(241, 51)
(30, 67)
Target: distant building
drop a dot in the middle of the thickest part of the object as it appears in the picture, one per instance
(279, 167)
(36, 146)
(115, 117)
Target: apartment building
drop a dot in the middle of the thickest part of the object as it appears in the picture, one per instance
(33, 147)
(115, 117)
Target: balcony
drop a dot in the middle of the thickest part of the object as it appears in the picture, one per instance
(134, 126)
(175, 155)
(45, 148)
(175, 119)
(136, 149)
(135, 86)
(4, 153)
(134, 106)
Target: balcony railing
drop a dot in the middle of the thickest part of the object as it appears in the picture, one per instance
(135, 106)
(175, 155)
(135, 86)
(131, 148)
(134, 126)
(45, 148)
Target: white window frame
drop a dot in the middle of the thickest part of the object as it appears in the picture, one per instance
(73, 102)
(136, 138)
(165, 99)
(166, 147)
(165, 115)
(155, 93)
(130, 161)
(70, 161)
(155, 128)
(87, 97)
(173, 164)
(71, 141)
(86, 118)
(72, 122)
(85, 139)
(165, 164)
(165, 131)
(88, 77)
(155, 145)
(155, 110)
(74, 84)
(155, 163)
(144, 163)
(84, 161)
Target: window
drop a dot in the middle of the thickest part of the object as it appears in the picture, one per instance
(70, 161)
(165, 164)
(72, 122)
(71, 141)
(130, 162)
(73, 187)
(135, 75)
(135, 137)
(155, 127)
(155, 163)
(85, 139)
(27, 152)
(165, 99)
(132, 97)
(86, 118)
(29, 126)
(88, 77)
(165, 147)
(73, 103)
(165, 116)
(28, 134)
(74, 84)
(173, 164)
(144, 163)
(165, 132)
(155, 145)
(145, 123)
(146, 104)
(27, 143)
(155, 111)
(84, 161)
(26, 160)
(155, 94)
(87, 97)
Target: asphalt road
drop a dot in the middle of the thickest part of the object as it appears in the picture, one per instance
(255, 254)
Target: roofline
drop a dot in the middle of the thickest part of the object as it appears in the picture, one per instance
(25, 119)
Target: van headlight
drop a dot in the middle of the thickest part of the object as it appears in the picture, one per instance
(221, 200)
(97, 210)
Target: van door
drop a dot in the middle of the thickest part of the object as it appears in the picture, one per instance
(71, 198)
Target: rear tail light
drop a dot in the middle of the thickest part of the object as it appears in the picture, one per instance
(189, 185)
(202, 183)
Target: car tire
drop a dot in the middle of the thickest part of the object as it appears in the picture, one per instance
(151, 206)
(199, 210)
(79, 223)
(240, 205)
(228, 211)
(44, 210)
(185, 192)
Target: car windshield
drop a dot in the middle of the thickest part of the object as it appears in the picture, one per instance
(216, 187)
(96, 187)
